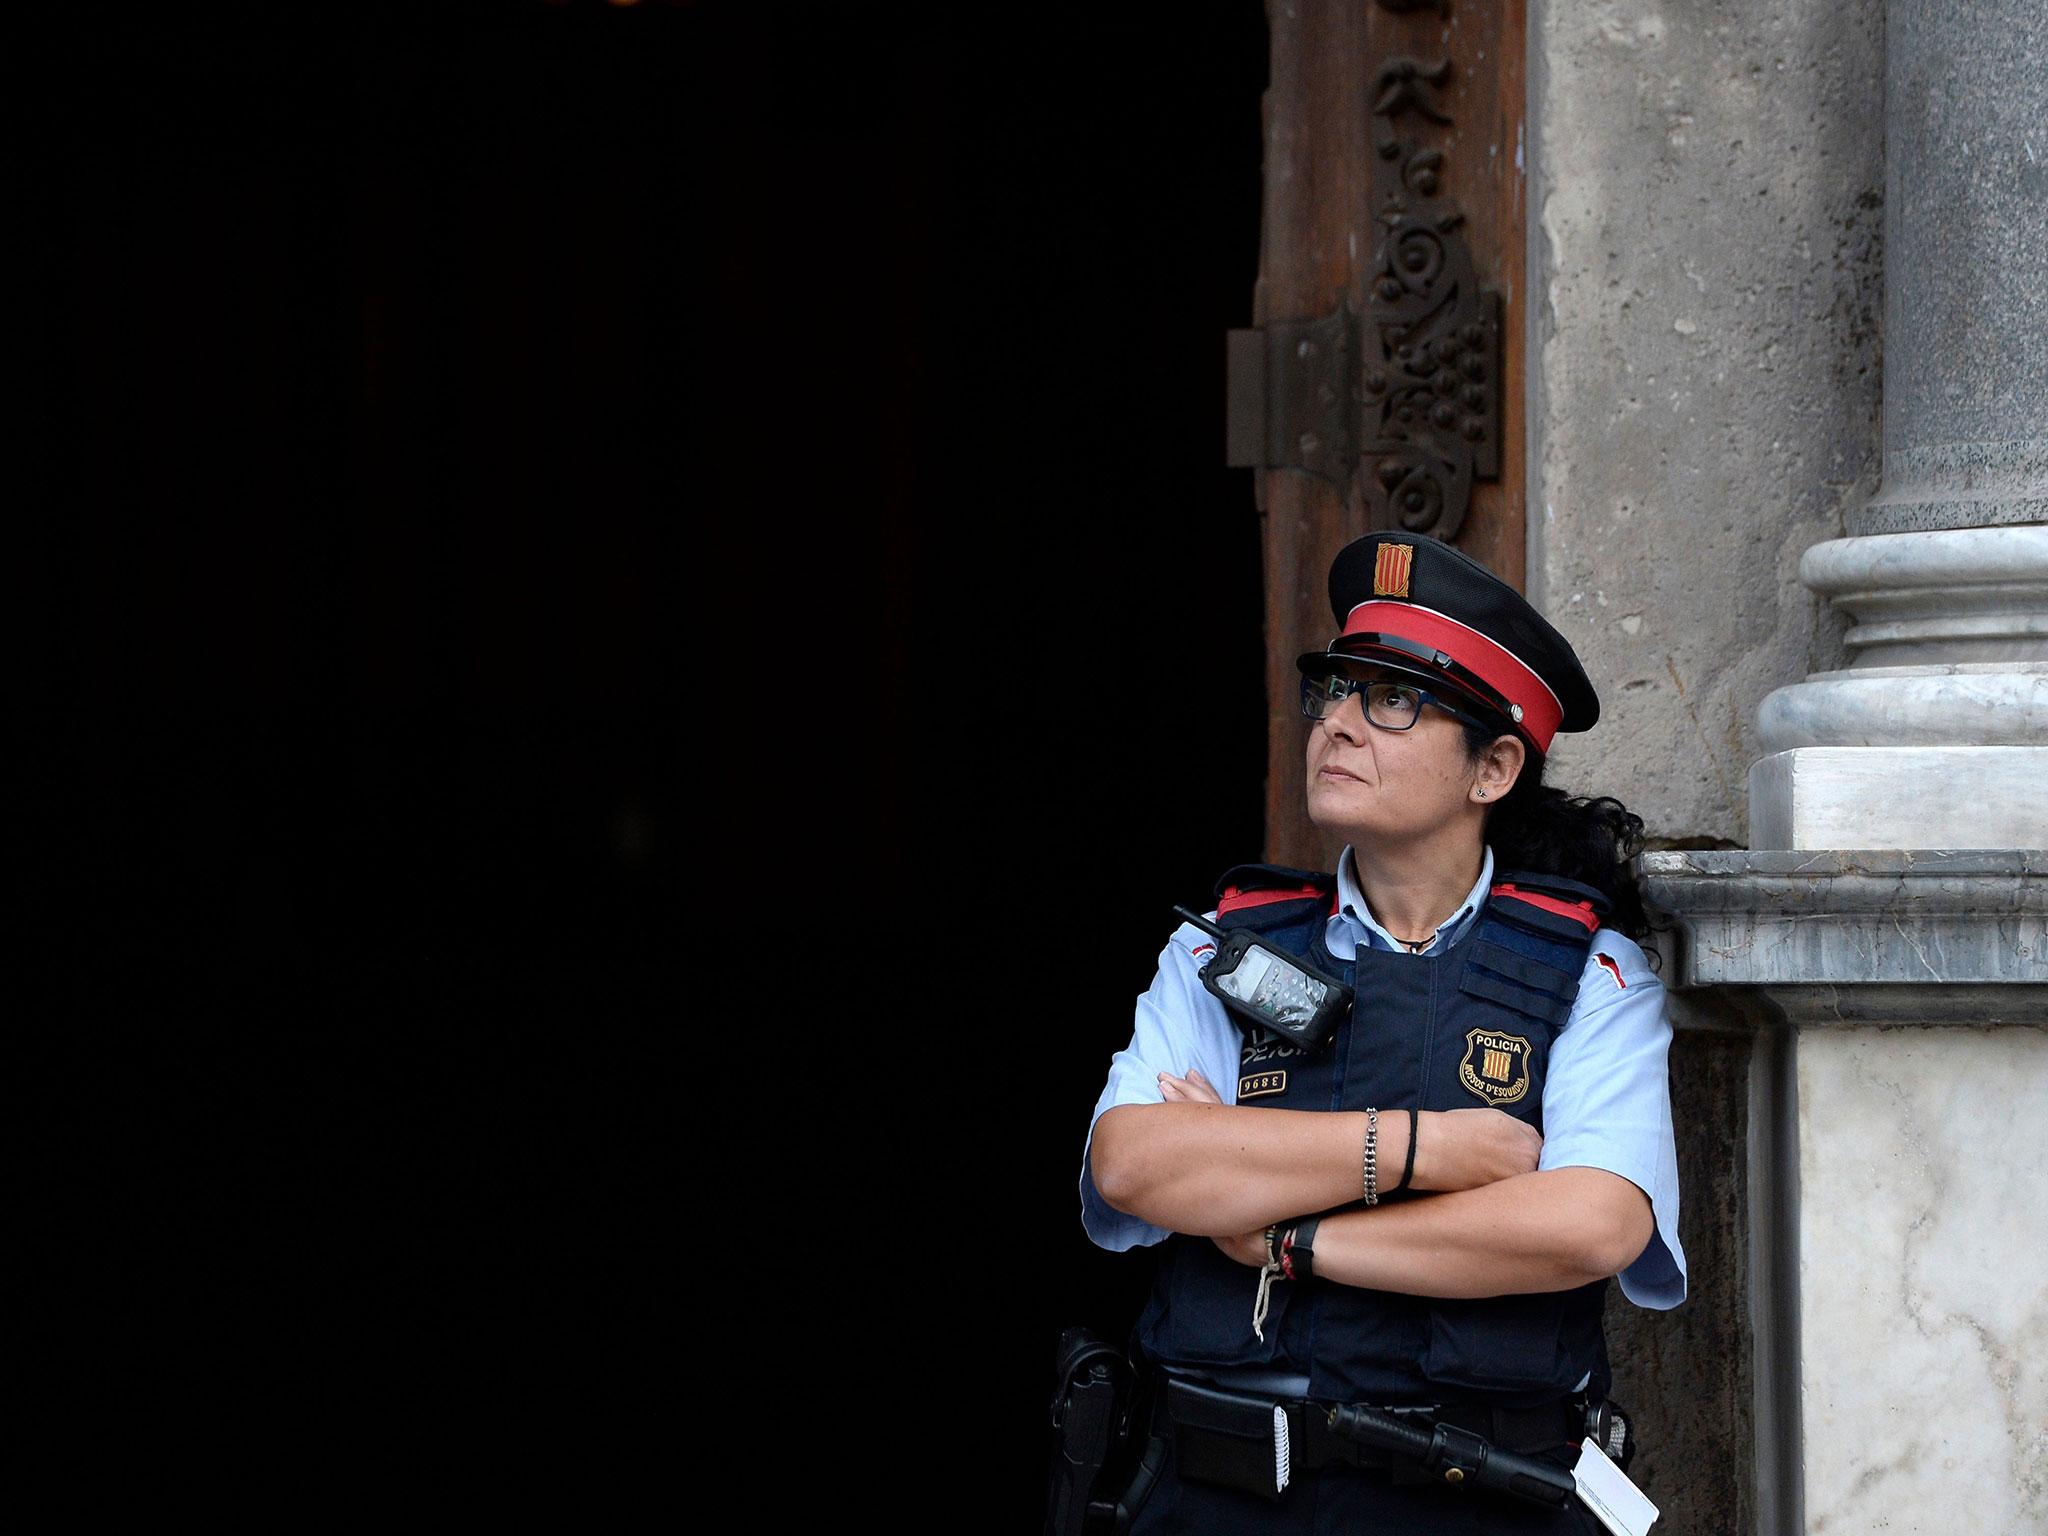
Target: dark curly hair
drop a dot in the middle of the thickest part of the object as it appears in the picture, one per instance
(1546, 831)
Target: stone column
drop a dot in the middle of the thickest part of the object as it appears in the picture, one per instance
(1936, 734)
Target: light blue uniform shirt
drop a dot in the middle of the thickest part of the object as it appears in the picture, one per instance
(1606, 1092)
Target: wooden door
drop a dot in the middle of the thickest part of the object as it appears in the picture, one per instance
(1381, 386)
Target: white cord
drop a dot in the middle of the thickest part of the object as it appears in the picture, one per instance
(1265, 1292)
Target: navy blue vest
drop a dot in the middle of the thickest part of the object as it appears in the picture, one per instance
(1469, 1027)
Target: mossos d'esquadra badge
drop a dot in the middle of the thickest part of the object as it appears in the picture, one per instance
(1496, 1066)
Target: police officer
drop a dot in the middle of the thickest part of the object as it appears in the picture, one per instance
(1423, 1211)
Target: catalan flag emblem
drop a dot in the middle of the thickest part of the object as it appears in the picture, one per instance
(1390, 569)
(1496, 1066)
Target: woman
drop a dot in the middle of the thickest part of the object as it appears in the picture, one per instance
(1421, 1212)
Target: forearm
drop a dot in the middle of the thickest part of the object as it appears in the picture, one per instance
(1215, 1169)
(1548, 1231)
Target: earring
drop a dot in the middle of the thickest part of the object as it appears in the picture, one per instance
(1482, 794)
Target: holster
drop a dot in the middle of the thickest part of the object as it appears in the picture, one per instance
(1104, 1460)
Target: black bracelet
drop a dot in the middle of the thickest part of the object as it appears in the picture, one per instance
(1408, 1168)
(1301, 1253)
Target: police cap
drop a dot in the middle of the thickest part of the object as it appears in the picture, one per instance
(1418, 606)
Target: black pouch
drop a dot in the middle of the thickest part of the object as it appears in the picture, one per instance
(1232, 1441)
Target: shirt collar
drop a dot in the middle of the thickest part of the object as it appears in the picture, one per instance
(1354, 918)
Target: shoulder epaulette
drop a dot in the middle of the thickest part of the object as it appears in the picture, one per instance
(1550, 904)
(1259, 885)
(1531, 947)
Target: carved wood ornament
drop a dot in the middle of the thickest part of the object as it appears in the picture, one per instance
(1397, 407)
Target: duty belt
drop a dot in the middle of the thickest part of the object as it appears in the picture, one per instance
(1259, 1444)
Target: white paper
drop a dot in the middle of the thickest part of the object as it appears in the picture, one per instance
(1605, 1489)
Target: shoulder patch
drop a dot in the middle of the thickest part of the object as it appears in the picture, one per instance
(1580, 912)
(1609, 965)
(1259, 885)
(1235, 900)
(1545, 914)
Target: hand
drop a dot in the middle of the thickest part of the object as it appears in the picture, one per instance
(1468, 1148)
(1192, 1089)
(1246, 1248)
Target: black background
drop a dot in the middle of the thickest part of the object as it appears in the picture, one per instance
(637, 618)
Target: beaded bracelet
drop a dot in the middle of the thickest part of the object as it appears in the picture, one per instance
(1372, 1152)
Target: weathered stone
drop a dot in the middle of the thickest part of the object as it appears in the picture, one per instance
(1706, 185)
(1704, 264)
(1958, 485)
(1966, 267)
(1859, 923)
(1687, 1375)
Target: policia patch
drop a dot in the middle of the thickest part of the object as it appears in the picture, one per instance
(1496, 1066)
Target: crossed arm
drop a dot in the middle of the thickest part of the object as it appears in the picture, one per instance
(1494, 1225)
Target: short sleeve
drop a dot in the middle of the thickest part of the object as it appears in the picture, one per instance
(1179, 1025)
(1607, 1103)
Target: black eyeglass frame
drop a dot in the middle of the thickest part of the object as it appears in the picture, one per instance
(1370, 648)
(1310, 685)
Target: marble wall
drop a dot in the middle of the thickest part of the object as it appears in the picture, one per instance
(1924, 1316)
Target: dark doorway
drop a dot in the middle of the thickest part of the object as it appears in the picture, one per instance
(530, 486)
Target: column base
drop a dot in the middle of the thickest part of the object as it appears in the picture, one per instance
(1900, 797)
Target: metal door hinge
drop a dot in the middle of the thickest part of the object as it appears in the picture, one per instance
(1397, 406)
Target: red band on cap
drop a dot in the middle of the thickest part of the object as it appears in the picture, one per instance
(1500, 668)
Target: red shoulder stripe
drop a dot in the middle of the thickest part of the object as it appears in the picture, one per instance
(1577, 911)
(1235, 900)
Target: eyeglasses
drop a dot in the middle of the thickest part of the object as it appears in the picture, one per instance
(1392, 706)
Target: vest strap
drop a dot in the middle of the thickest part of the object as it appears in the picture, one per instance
(1526, 969)
(1537, 1005)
